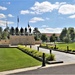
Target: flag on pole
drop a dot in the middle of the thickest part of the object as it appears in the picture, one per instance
(28, 25)
(18, 19)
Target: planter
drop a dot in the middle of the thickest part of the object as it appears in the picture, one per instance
(54, 62)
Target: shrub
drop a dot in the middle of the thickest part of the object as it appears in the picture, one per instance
(43, 45)
(36, 53)
(50, 57)
(48, 46)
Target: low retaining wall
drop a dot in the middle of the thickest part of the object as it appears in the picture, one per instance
(4, 42)
(2, 46)
(24, 40)
(38, 42)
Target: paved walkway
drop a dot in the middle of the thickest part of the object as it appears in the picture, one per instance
(65, 57)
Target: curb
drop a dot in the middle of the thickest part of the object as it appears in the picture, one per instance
(54, 62)
(32, 68)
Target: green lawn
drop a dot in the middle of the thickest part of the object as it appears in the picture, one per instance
(12, 58)
(63, 46)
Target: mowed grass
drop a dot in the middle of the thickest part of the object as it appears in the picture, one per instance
(12, 58)
(63, 46)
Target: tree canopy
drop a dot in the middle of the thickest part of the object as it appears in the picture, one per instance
(44, 37)
(53, 38)
(67, 35)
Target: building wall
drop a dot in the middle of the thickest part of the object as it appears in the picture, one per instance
(15, 40)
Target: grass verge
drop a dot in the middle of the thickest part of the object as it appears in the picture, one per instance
(63, 46)
(60, 46)
(12, 58)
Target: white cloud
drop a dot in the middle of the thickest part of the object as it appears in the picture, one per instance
(50, 30)
(42, 7)
(2, 16)
(36, 19)
(67, 9)
(3, 23)
(10, 22)
(10, 15)
(72, 16)
(45, 6)
(44, 26)
(31, 12)
(3, 8)
(24, 12)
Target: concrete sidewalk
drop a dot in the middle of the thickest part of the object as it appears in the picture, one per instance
(59, 56)
(32, 68)
(66, 69)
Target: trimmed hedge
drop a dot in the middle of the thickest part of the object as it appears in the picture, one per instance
(48, 46)
(36, 54)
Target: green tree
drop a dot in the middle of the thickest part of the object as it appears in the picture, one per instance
(1, 29)
(4, 35)
(7, 31)
(16, 31)
(44, 37)
(53, 38)
(36, 38)
(22, 31)
(63, 34)
(36, 31)
(12, 31)
(25, 31)
(37, 34)
(71, 33)
(67, 38)
(1, 33)
(0, 36)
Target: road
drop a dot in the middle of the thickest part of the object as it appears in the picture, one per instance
(56, 70)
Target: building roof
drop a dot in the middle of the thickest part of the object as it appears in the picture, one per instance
(49, 34)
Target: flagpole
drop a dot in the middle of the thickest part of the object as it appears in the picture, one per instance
(17, 21)
(28, 28)
(6, 25)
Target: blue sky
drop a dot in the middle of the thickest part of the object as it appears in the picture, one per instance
(50, 16)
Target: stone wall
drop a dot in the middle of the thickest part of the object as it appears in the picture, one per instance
(38, 42)
(4, 42)
(24, 40)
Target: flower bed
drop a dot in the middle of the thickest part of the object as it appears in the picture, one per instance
(36, 54)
